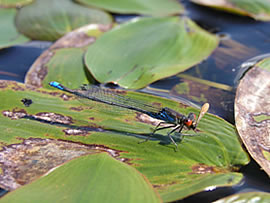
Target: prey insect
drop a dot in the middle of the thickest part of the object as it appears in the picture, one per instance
(175, 120)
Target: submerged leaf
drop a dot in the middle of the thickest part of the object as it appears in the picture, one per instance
(145, 50)
(252, 114)
(49, 20)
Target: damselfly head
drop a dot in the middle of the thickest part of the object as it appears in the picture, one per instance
(204, 109)
(190, 121)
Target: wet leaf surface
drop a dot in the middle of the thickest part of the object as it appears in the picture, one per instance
(254, 197)
(49, 20)
(252, 112)
(150, 7)
(63, 61)
(14, 3)
(84, 179)
(8, 33)
(206, 159)
(147, 50)
(257, 9)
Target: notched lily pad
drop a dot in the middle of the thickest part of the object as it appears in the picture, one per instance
(63, 61)
(49, 20)
(149, 7)
(252, 112)
(147, 49)
(257, 9)
(9, 36)
(207, 158)
(90, 176)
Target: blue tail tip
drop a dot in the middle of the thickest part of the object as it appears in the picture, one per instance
(56, 85)
(53, 83)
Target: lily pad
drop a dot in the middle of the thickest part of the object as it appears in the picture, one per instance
(49, 20)
(8, 33)
(253, 197)
(150, 7)
(257, 9)
(252, 114)
(205, 159)
(87, 178)
(14, 3)
(142, 51)
(63, 61)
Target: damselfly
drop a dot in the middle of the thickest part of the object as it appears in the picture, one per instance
(175, 120)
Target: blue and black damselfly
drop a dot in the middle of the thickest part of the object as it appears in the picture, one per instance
(173, 119)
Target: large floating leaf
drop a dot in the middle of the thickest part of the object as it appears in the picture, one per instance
(257, 9)
(254, 197)
(149, 7)
(14, 3)
(252, 115)
(92, 178)
(49, 20)
(63, 61)
(208, 159)
(140, 52)
(8, 33)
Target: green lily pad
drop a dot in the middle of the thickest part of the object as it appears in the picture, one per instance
(63, 61)
(85, 179)
(257, 9)
(8, 33)
(252, 115)
(14, 3)
(140, 52)
(254, 197)
(49, 20)
(206, 159)
(150, 7)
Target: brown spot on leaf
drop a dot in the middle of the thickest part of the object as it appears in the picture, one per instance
(24, 162)
(146, 119)
(53, 117)
(74, 40)
(75, 132)
(157, 104)
(3, 84)
(17, 87)
(36, 76)
(14, 114)
(80, 108)
(203, 169)
(105, 28)
(66, 97)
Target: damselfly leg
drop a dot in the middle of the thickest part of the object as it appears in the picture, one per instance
(157, 129)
